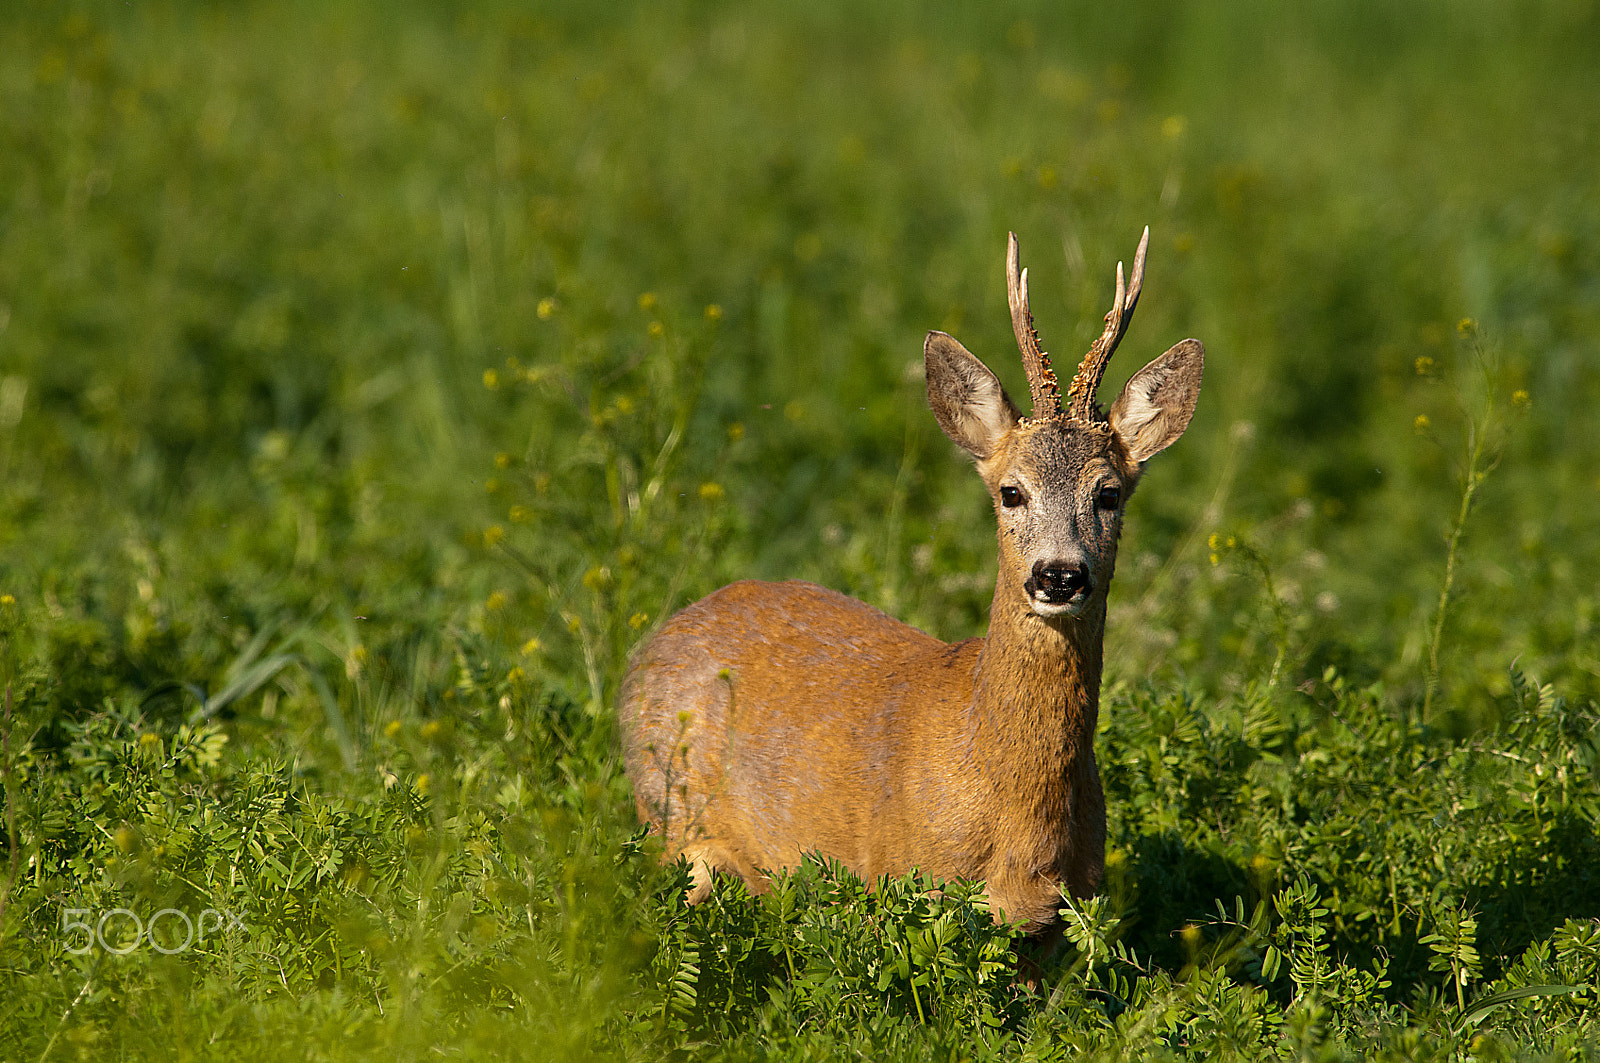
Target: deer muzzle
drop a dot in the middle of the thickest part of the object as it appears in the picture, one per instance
(1058, 588)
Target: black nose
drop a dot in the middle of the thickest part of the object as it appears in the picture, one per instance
(1058, 581)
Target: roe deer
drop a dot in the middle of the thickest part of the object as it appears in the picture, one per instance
(770, 720)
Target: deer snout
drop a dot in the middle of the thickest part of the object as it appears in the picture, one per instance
(1058, 587)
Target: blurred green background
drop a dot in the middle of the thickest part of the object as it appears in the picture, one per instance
(257, 259)
(368, 365)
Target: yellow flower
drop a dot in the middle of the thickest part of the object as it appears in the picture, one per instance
(148, 739)
(713, 312)
(735, 433)
(547, 309)
(423, 782)
(1424, 365)
(1214, 540)
(495, 602)
(431, 730)
(1466, 326)
(647, 301)
(392, 728)
(6, 599)
(597, 578)
(657, 329)
(638, 620)
(1172, 128)
(1521, 398)
(502, 460)
(711, 492)
(491, 485)
(532, 646)
(493, 534)
(520, 514)
(516, 674)
(1421, 423)
(491, 379)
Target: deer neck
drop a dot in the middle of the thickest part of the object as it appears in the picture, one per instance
(1037, 696)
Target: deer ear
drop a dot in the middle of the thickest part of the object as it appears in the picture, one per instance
(968, 400)
(1156, 404)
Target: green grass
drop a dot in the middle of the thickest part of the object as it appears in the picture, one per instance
(372, 378)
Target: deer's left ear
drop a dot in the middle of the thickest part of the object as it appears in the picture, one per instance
(1156, 404)
(967, 399)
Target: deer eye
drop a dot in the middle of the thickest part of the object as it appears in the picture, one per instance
(1110, 497)
(1010, 496)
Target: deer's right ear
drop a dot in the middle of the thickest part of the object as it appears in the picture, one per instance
(968, 400)
(1157, 402)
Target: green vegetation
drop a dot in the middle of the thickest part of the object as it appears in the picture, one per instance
(373, 377)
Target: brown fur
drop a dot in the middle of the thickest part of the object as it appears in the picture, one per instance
(770, 720)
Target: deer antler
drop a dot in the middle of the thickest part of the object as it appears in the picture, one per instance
(1080, 394)
(1041, 378)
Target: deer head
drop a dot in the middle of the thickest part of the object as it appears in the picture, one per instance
(1060, 478)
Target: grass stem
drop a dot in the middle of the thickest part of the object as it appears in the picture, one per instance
(1480, 463)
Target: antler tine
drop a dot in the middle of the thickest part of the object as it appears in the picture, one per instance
(1087, 379)
(1042, 383)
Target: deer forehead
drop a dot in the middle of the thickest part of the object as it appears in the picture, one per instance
(1059, 454)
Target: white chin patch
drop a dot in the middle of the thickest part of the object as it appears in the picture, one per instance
(1050, 610)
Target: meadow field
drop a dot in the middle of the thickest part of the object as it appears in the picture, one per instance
(373, 377)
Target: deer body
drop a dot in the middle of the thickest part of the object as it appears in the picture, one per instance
(769, 720)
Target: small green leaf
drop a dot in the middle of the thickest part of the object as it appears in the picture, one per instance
(1481, 1008)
